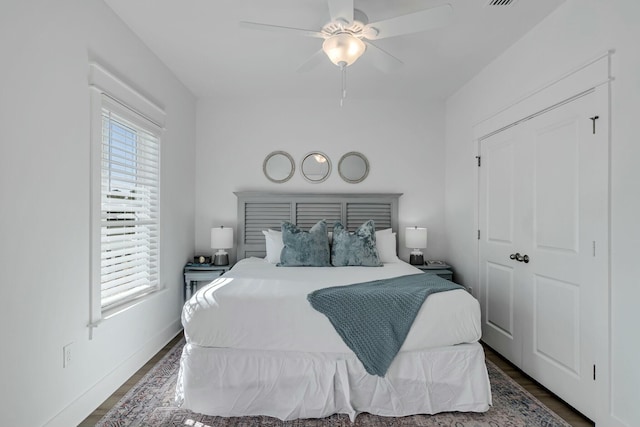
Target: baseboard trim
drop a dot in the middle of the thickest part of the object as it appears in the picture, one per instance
(82, 407)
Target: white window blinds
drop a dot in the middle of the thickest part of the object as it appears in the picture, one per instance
(129, 217)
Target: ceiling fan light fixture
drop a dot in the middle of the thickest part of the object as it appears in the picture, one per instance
(343, 48)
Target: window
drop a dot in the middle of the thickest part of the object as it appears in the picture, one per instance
(129, 210)
(125, 194)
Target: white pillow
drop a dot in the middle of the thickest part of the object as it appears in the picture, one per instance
(386, 245)
(274, 245)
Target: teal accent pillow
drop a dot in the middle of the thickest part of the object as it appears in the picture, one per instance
(358, 248)
(305, 248)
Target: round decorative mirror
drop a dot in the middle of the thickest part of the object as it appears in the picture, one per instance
(315, 167)
(353, 167)
(278, 167)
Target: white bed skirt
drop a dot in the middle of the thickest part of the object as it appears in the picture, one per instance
(291, 385)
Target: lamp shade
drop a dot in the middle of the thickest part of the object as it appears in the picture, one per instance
(416, 237)
(343, 48)
(221, 237)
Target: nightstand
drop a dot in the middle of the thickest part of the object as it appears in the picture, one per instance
(194, 273)
(440, 270)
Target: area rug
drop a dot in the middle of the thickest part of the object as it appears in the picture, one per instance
(150, 403)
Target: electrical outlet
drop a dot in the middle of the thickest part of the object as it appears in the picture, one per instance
(66, 355)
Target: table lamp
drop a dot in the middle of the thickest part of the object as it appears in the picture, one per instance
(416, 239)
(221, 239)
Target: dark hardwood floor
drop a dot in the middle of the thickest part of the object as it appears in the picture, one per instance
(570, 415)
(545, 396)
(96, 415)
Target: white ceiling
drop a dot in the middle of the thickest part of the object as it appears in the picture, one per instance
(202, 43)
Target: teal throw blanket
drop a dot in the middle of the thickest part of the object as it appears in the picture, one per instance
(374, 318)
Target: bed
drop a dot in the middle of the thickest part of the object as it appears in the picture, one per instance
(255, 346)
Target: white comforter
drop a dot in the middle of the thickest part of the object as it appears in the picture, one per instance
(258, 306)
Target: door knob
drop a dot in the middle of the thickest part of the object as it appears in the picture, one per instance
(519, 258)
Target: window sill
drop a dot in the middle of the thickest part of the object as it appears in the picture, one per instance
(114, 311)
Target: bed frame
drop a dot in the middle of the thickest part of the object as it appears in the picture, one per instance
(259, 211)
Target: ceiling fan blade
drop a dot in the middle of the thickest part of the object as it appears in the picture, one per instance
(412, 23)
(315, 60)
(280, 29)
(382, 59)
(341, 10)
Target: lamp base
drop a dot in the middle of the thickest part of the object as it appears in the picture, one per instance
(416, 259)
(221, 259)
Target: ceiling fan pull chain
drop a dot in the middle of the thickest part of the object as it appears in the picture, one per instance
(343, 69)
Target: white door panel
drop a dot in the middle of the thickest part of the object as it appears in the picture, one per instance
(499, 294)
(557, 310)
(556, 184)
(500, 195)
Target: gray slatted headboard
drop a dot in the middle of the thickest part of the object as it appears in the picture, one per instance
(259, 211)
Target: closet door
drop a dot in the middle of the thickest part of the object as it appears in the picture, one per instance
(569, 221)
(543, 195)
(502, 202)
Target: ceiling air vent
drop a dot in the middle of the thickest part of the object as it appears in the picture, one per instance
(501, 2)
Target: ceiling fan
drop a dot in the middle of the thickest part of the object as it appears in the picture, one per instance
(349, 34)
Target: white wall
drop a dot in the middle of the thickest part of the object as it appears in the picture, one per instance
(578, 31)
(44, 214)
(403, 140)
